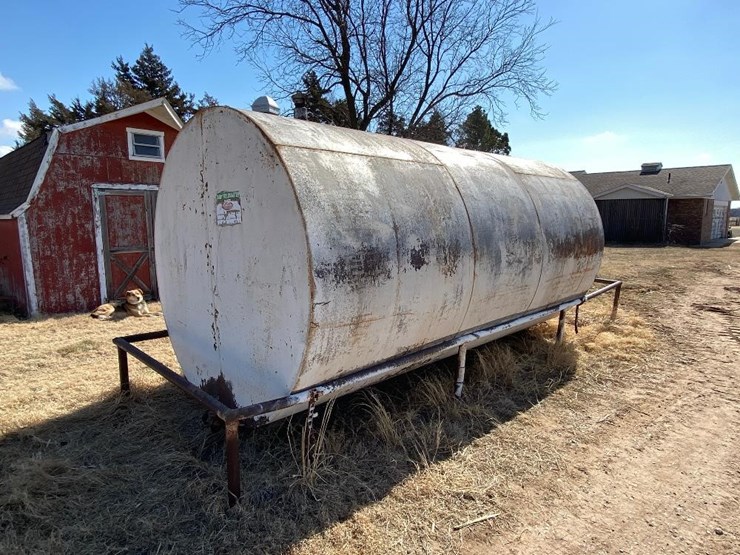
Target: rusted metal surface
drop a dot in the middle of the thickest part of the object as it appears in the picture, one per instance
(60, 218)
(561, 327)
(233, 470)
(349, 249)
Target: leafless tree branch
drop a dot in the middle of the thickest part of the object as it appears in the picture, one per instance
(409, 57)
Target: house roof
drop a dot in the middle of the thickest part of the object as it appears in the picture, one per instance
(18, 171)
(22, 170)
(695, 181)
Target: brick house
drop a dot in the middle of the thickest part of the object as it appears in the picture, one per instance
(654, 204)
(77, 209)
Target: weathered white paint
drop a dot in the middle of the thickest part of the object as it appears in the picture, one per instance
(719, 221)
(125, 186)
(354, 248)
(27, 260)
(40, 174)
(98, 189)
(722, 191)
(158, 108)
(632, 192)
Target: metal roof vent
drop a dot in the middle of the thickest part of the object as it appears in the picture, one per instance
(267, 105)
(651, 167)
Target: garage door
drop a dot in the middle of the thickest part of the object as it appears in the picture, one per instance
(719, 222)
(633, 220)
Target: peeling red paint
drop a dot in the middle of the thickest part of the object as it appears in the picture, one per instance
(60, 218)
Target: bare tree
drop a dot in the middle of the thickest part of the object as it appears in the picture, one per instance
(393, 58)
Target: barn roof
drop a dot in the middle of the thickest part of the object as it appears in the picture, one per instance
(18, 171)
(23, 169)
(694, 181)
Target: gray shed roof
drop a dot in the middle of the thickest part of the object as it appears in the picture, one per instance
(695, 181)
(18, 170)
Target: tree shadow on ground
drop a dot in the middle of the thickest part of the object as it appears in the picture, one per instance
(146, 473)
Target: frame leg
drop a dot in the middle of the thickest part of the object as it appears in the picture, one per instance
(461, 357)
(561, 327)
(615, 306)
(233, 470)
(123, 370)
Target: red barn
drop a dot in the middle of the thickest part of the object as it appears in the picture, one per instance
(77, 209)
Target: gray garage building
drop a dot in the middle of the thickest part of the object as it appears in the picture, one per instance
(654, 204)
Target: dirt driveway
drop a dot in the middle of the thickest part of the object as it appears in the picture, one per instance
(655, 466)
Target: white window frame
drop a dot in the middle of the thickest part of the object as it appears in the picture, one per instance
(130, 131)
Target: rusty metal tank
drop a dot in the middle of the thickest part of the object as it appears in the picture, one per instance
(290, 254)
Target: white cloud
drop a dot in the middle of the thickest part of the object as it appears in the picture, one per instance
(7, 84)
(604, 138)
(4, 149)
(10, 128)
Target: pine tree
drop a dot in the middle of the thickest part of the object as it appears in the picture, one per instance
(147, 79)
(391, 124)
(150, 74)
(207, 101)
(477, 133)
(433, 130)
(319, 107)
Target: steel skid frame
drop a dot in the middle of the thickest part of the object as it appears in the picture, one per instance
(269, 411)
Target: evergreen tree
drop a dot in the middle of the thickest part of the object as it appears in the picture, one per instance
(391, 124)
(146, 79)
(477, 133)
(433, 130)
(319, 107)
(207, 101)
(149, 74)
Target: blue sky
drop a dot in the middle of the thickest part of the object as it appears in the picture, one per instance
(638, 81)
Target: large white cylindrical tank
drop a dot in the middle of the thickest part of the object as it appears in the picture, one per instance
(291, 253)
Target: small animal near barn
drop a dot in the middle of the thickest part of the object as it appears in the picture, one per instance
(133, 304)
(77, 210)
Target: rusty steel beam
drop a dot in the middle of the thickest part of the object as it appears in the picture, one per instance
(561, 327)
(233, 463)
(123, 371)
(124, 343)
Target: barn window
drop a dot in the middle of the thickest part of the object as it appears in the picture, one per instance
(145, 145)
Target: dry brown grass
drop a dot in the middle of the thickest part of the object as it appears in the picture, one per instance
(83, 470)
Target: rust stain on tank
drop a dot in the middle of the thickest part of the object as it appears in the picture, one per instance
(369, 265)
(418, 256)
(448, 257)
(220, 389)
(579, 245)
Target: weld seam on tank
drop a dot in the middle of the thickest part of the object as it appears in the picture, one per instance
(350, 153)
(540, 228)
(309, 252)
(473, 244)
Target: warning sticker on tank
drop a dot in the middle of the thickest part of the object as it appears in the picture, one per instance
(228, 208)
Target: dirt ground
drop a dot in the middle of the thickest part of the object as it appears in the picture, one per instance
(635, 451)
(655, 468)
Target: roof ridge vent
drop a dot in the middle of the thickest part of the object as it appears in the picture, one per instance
(651, 167)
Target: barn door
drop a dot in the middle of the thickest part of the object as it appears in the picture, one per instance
(127, 227)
